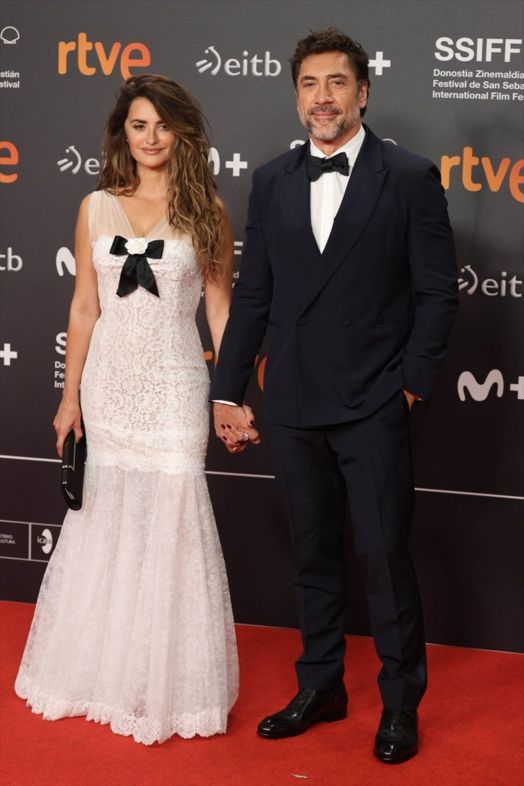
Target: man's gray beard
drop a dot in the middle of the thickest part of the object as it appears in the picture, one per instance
(330, 134)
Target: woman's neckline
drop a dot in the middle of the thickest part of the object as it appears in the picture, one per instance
(128, 220)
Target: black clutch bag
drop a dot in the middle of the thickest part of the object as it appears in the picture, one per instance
(73, 464)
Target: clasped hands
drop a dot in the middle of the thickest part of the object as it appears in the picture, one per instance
(235, 426)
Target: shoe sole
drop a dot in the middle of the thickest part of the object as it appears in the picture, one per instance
(329, 718)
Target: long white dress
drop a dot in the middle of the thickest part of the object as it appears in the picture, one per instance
(133, 624)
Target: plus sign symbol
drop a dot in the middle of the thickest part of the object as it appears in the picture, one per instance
(379, 63)
(7, 354)
(518, 387)
(236, 165)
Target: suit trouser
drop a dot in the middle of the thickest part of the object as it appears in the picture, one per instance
(367, 462)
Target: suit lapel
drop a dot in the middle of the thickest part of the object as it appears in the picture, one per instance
(360, 198)
(295, 204)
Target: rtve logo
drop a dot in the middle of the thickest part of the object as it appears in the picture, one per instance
(479, 49)
(479, 391)
(248, 65)
(9, 158)
(134, 55)
(476, 172)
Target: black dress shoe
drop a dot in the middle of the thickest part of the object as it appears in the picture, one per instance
(308, 707)
(397, 736)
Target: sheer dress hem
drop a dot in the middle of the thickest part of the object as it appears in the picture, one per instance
(143, 729)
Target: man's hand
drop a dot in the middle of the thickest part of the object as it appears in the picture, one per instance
(235, 426)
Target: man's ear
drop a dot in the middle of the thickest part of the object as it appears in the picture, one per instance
(363, 94)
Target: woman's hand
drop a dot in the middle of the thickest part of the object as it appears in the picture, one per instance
(67, 417)
(83, 314)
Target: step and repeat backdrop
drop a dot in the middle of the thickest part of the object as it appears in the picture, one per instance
(447, 82)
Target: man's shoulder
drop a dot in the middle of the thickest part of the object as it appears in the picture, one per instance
(406, 170)
(406, 159)
(397, 157)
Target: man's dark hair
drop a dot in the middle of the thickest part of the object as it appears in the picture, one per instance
(332, 40)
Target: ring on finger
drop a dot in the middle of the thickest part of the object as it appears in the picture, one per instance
(245, 436)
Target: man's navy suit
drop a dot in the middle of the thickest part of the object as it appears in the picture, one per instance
(346, 329)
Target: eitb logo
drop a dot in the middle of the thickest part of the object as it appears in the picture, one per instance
(245, 65)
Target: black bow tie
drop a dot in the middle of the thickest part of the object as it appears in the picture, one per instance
(136, 269)
(319, 166)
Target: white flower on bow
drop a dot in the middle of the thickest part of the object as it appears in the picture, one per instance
(137, 245)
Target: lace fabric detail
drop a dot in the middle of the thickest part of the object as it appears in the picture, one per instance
(145, 383)
(142, 729)
(133, 625)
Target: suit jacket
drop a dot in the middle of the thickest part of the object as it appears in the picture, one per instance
(348, 327)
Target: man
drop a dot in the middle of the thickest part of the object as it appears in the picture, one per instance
(349, 271)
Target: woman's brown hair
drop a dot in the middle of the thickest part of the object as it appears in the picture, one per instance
(193, 206)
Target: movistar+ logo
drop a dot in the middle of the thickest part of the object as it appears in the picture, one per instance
(480, 390)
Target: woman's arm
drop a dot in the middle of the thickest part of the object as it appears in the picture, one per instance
(217, 292)
(240, 420)
(84, 311)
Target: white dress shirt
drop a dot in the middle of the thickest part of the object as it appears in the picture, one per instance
(327, 192)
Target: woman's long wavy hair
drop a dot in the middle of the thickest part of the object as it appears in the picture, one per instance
(193, 206)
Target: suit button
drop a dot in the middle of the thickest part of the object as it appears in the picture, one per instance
(303, 321)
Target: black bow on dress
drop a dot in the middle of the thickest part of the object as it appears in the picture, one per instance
(136, 269)
(316, 167)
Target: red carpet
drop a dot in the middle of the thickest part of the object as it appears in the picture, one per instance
(471, 724)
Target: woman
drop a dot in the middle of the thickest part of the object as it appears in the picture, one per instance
(133, 625)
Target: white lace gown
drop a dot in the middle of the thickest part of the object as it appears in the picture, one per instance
(133, 625)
